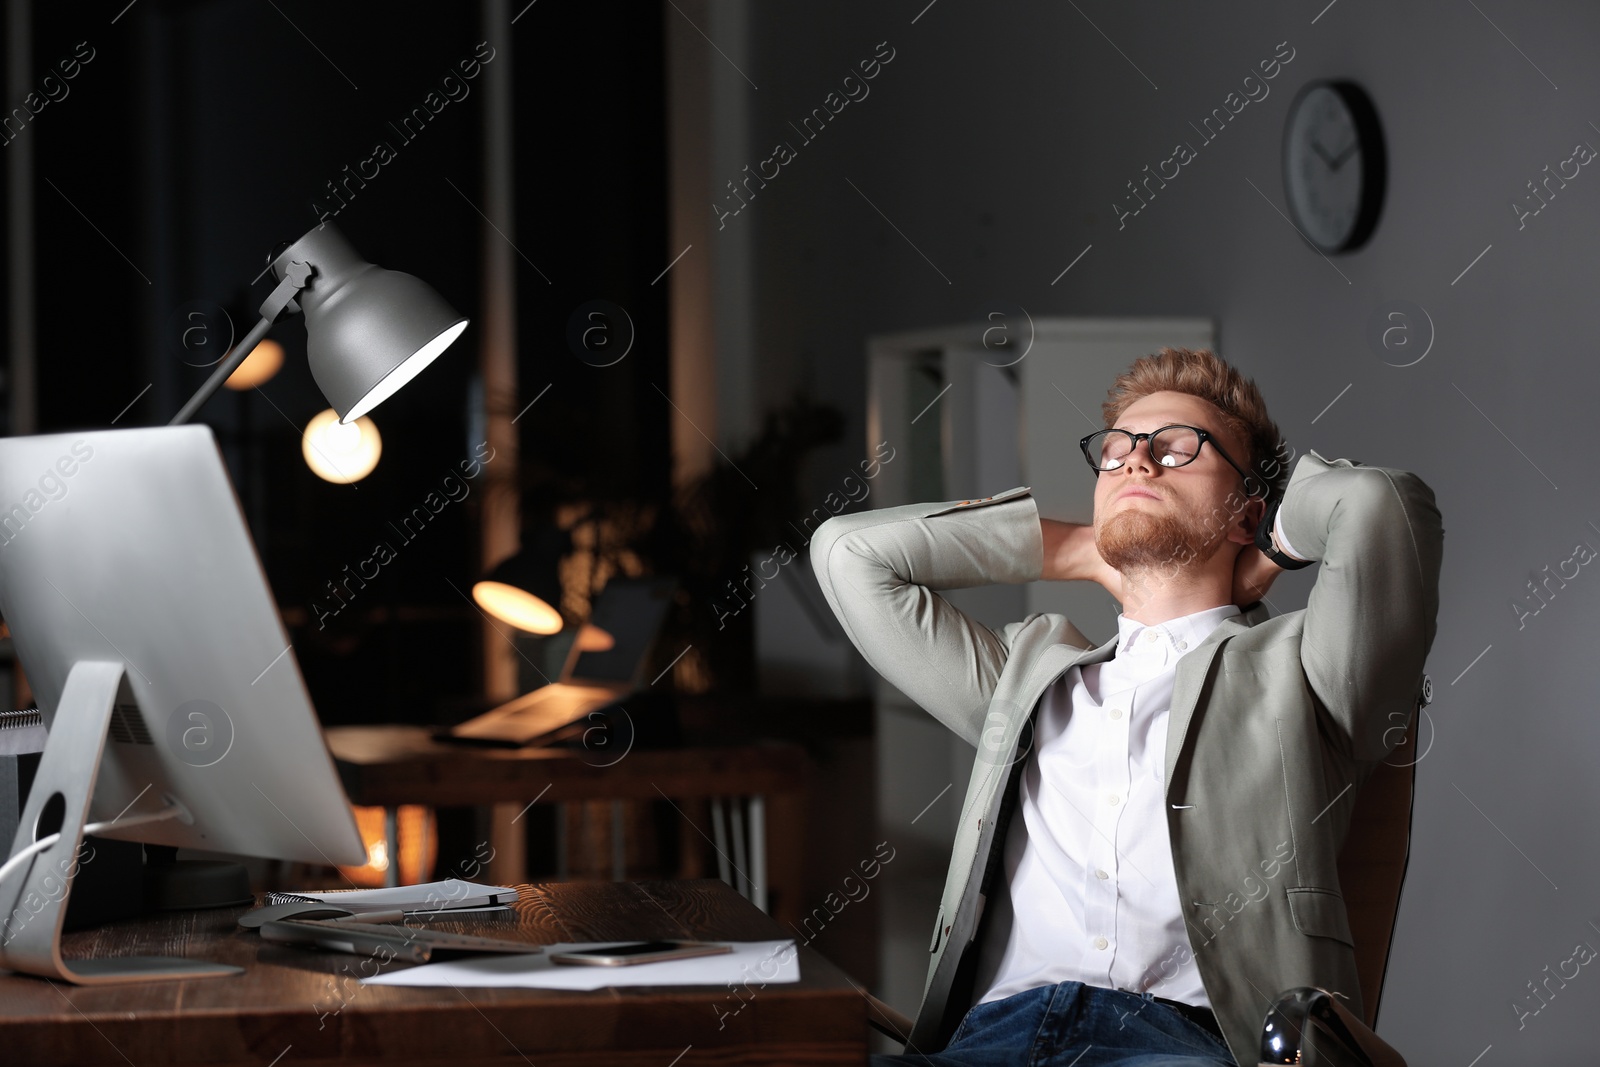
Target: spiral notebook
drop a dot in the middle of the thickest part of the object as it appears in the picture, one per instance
(452, 894)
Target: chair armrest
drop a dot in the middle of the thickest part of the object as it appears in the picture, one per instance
(1283, 1036)
(886, 1020)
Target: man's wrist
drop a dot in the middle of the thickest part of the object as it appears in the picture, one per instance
(1054, 534)
(1064, 547)
(1268, 542)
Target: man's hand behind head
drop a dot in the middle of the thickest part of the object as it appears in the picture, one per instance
(1253, 575)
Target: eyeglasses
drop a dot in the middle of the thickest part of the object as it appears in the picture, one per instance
(1170, 446)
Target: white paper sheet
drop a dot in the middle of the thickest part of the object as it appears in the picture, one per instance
(753, 963)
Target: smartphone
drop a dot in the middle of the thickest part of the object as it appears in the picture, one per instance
(640, 952)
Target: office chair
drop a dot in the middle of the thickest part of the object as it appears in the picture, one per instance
(1372, 868)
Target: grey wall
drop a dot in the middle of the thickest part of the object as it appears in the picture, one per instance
(998, 139)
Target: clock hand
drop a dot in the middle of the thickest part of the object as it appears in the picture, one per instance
(1338, 161)
(1318, 149)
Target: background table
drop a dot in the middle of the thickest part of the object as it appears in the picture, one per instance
(391, 765)
(305, 1008)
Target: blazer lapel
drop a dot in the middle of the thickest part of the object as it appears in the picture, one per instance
(1054, 661)
(1190, 677)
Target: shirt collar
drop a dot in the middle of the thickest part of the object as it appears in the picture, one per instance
(1181, 634)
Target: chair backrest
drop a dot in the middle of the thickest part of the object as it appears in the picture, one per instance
(1372, 863)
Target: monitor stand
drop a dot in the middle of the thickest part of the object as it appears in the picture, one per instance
(33, 898)
(171, 884)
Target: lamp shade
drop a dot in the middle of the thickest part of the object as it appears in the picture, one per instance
(368, 330)
(524, 590)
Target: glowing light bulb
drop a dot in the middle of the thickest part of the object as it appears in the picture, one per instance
(259, 366)
(341, 452)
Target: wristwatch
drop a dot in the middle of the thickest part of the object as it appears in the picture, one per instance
(1268, 546)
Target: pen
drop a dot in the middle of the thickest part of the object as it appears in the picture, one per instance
(392, 915)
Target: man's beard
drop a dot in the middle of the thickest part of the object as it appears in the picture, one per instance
(1135, 542)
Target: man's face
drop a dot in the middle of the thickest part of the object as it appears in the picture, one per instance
(1147, 514)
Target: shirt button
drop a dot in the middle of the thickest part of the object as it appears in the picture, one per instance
(1102, 875)
(1116, 713)
(1150, 635)
(1183, 646)
(1101, 942)
(1113, 799)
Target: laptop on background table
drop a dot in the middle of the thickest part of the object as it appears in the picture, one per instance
(632, 611)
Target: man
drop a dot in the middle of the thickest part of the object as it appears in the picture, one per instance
(1147, 850)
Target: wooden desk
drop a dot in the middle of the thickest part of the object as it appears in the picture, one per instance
(392, 765)
(302, 1008)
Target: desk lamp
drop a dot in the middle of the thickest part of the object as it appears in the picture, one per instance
(524, 590)
(369, 331)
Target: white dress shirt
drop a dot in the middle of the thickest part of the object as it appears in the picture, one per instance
(1090, 891)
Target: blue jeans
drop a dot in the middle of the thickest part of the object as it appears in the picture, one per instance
(1073, 1024)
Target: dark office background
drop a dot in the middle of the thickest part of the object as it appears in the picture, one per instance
(197, 139)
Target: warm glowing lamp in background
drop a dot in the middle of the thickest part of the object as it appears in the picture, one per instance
(593, 639)
(340, 452)
(418, 832)
(524, 589)
(517, 607)
(258, 367)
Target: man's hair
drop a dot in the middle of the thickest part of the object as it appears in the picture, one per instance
(1204, 374)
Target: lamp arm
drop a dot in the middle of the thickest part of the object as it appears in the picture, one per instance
(281, 298)
(229, 364)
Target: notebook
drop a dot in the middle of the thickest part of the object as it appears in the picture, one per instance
(448, 895)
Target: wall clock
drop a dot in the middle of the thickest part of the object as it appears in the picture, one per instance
(1333, 165)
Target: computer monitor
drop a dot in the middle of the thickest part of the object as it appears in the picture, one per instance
(145, 626)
